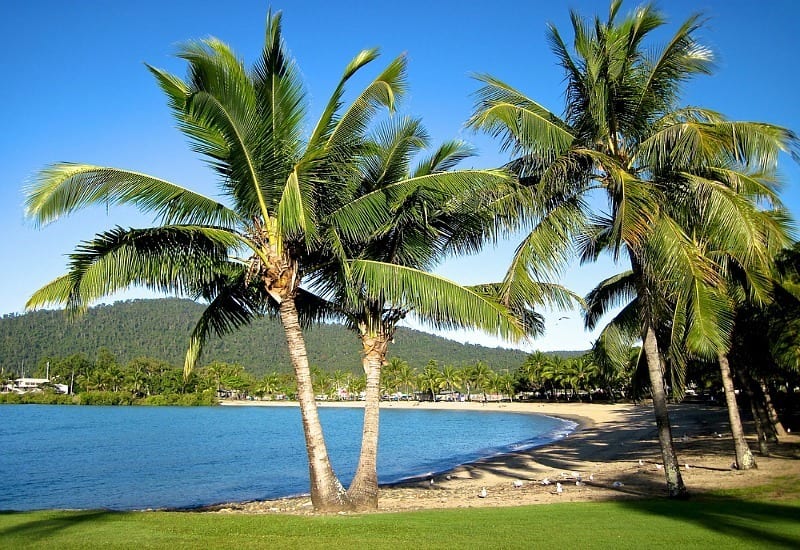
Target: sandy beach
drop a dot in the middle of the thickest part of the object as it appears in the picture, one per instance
(613, 454)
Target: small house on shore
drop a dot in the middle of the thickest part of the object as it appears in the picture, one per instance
(28, 385)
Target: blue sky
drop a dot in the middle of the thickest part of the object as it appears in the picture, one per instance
(76, 90)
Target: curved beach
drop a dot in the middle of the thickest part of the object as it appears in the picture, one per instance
(614, 451)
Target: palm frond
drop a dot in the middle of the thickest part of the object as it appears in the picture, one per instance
(522, 124)
(175, 259)
(445, 158)
(327, 121)
(281, 108)
(395, 144)
(437, 301)
(61, 189)
(363, 216)
(546, 250)
(295, 213)
(233, 304)
(679, 60)
(205, 139)
(612, 292)
(384, 91)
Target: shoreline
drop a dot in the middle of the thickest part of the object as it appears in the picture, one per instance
(559, 411)
(613, 453)
(566, 411)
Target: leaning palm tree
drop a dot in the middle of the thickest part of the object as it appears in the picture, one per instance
(246, 256)
(624, 136)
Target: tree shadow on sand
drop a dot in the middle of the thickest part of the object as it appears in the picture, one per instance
(631, 440)
(631, 444)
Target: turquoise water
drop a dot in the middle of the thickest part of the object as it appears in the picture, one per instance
(126, 458)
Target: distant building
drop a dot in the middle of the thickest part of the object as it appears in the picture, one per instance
(27, 385)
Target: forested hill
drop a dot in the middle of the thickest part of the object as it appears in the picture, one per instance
(160, 329)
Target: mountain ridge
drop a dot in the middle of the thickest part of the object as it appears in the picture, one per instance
(160, 328)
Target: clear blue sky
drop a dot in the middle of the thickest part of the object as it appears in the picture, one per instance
(76, 90)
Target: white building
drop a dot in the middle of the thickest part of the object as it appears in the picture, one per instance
(25, 385)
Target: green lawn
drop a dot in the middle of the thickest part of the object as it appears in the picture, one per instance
(722, 522)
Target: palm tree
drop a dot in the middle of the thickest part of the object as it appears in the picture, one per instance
(532, 370)
(466, 374)
(764, 345)
(585, 373)
(505, 385)
(481, 376)
(248, 256)
(625, 136)
(268, 385)
(555, 372)
(321, 381)
(339, 380)
(451, 377)
(356, 386)
(406, 377)
(430, 379)
(431, 210)
(390, 375)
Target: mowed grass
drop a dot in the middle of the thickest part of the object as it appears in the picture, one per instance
(731, 521)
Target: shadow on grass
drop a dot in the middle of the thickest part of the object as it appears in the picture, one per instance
(759, 523)
(47, 523)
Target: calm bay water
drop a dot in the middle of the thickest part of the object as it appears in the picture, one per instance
(127, 458)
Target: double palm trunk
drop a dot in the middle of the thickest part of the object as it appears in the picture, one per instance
(327, 493)
(759, 415)
(672, 472)
(780, 431)
(363, 491)
(744, 458)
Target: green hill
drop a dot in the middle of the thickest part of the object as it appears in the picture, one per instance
(160, 329)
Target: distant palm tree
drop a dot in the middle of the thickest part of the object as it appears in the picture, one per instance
(268, 385)
(466, 375)
(585, 373)
(339, 380)
(451, 377)
(481, 376)
(406, 377)
(286, 193)
(430, 379)
(390, 381)
(505, 385)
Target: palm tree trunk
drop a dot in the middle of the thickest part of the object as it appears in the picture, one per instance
(744, 457)
(759, 416)
(763, 438)
(672, 472)
(363, 491)
(780, 431)
(327, 493)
